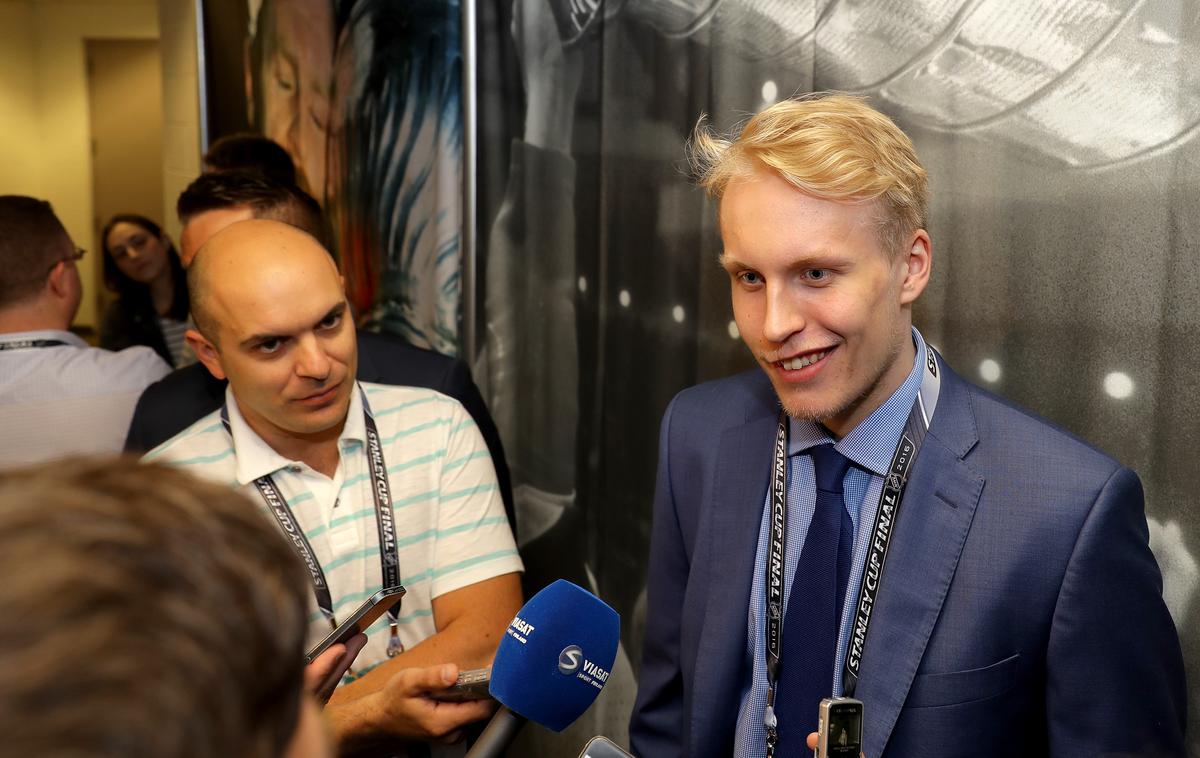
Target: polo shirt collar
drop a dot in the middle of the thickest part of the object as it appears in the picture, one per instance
(255, 458)
(869, 445)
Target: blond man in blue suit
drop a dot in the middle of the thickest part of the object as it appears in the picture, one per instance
(980, 579)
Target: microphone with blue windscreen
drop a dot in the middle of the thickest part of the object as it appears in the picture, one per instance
(552, 662)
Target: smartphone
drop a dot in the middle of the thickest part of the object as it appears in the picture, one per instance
(359, 621)
(839, 728)
(603, 747)
(470, 685)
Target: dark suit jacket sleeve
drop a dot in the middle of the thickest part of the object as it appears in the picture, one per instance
(140, 438)
(657, 728)
(461, 386)
(171, 405)
(1114, 671)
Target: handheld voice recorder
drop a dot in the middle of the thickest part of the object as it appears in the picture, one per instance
(839, 728)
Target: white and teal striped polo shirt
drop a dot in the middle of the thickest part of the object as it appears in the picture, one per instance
(450, 522)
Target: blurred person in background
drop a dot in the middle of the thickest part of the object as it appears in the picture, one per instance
(142, 267)
(245, 151)
(217, 199)
(148, 613)
(57, 395)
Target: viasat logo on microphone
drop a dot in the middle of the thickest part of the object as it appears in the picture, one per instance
(520, 630)
(569, 661)
(569, 658)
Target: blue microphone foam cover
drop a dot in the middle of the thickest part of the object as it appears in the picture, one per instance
(556, 655)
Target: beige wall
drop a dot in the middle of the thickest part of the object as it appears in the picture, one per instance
(20, 151)
(45, 141)
(181, 115)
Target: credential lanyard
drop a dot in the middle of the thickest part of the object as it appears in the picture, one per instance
(26, 344)
(886, 514)
(389, 557)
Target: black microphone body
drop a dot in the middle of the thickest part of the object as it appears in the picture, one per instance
(498, 734)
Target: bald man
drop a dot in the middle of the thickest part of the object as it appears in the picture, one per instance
(323, 452)
(214, 201)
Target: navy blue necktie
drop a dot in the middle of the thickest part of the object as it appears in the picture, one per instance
(814, 609)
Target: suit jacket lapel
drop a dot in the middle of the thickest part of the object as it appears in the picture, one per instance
(935, 517)
(738, 497)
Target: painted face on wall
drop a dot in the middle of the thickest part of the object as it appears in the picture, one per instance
(823, 308)
(295, 75)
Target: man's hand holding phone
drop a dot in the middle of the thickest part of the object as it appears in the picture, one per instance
(405, 710)
(331, 658)
(322, 675)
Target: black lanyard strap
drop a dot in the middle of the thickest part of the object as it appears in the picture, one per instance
(894, 484)
(282, 512)
(776, 559)
(886, 514)
(389, 556)
(26, 344)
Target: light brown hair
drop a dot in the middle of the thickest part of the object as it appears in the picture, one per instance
(146, 613)
(828, 145)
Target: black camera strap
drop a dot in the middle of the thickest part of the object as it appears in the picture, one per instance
(389, 557)
(886, 513)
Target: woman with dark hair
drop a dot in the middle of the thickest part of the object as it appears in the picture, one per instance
(143, 268)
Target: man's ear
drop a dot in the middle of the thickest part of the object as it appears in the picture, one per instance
(59, 280)
(206, 352)
(917, 263)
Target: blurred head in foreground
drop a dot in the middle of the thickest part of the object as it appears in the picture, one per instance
(147, 613)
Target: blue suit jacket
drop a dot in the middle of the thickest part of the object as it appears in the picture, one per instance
(1020, 611)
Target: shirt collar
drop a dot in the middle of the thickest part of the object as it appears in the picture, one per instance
(72, 339)
(871, 444)
(255, 458)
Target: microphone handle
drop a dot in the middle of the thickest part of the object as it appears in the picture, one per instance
(497, 735)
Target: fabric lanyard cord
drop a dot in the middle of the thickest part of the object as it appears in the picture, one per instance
(26, 344)
(915, 428)
(389, 557)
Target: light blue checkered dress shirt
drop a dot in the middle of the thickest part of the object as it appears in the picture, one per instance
(870, 447)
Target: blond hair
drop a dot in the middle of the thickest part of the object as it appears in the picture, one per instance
(145, 613)
(828, 145)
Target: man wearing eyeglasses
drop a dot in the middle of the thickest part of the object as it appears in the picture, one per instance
(58, 396)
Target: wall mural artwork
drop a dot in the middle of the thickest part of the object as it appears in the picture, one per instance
(366, 97)
(1060, 139)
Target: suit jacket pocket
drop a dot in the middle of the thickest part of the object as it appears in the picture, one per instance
(954, 687)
